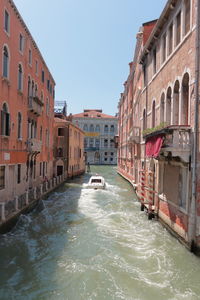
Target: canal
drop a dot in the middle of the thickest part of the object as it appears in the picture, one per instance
(87, 244)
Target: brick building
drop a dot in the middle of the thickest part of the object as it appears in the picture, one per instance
(159, 120)
(69, 157)
(26, 105)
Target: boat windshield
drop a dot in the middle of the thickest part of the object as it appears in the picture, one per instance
(96, 180)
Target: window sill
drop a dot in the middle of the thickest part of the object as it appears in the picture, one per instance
(7, 32)
(4, 136)
(20, 92)
(6, 80)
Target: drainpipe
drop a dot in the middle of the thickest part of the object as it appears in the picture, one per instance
(193, 208)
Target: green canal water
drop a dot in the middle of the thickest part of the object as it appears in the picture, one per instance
(82, 244)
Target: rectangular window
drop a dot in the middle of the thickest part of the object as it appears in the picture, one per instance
(61, 131)
(187, 16)
(48, 84)
(154, 61)
(42, 76)
(40, 169)
(30, 57)
(170, 44)
(178, 28)
(2, 177)
(36, 67)
(85, 142)
(7, 22)
(164, 48)
(18, 173)
(43, 169)
(5, 123)
(91, 143)
(21, 43)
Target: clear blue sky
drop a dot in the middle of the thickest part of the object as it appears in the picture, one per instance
(87, 45)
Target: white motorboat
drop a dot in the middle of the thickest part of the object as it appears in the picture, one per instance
(96, 182)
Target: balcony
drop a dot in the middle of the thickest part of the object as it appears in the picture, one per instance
(35, 105)
(176, 141)
(134, 135)
(91, 148)
(34, 145)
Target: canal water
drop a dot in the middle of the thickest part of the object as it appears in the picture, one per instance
(82, 244)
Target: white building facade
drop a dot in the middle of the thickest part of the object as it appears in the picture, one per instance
(100, 130)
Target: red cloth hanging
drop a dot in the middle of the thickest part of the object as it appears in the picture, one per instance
(153, 146)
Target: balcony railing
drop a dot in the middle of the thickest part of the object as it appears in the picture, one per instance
(177, 141)
(91, 148)
(34, 145)
(35, 105)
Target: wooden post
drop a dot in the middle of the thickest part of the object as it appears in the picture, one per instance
(2, 205)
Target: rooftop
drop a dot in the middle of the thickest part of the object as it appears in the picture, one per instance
(93, 113)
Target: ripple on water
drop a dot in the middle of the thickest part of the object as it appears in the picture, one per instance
(87, 244)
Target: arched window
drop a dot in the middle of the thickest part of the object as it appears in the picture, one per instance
(46, 137)
(32, 91)
(29, 87)
(112, 128)
(5, 121)
(185, 100)
(97, 128)
(20, 78)
(91, 128)
(153, 114)
(47, 107)
(5, 62)
(176, 104)
(60, 152)
(32, 128)
(162, 108)
(36, 90)
(106, 128)
(19, 126)
(85, 127)
(168, 106)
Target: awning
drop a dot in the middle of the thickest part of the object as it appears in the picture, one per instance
(153, 146)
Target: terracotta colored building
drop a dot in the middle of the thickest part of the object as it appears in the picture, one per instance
(159, 120)
(26, 108)
(69, 157)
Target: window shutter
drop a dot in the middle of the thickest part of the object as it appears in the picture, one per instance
(2, 129)
(7, 129)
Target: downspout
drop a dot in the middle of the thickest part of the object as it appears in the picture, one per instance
(193, 209)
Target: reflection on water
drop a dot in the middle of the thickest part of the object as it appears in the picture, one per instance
(94, 244)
